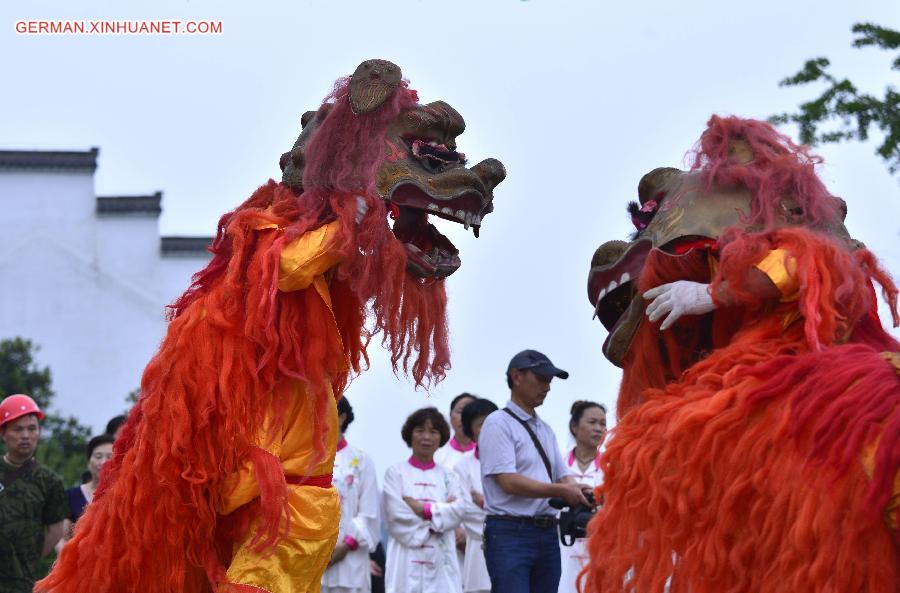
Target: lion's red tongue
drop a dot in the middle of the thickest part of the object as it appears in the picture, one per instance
(411, 226)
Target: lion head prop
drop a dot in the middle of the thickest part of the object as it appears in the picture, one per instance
(370, 153)
(420, 170)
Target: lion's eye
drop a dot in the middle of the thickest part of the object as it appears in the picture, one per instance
(436, 157)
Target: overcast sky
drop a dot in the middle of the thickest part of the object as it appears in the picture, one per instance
(578, 98)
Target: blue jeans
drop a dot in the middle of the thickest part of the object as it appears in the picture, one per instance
(521, 558)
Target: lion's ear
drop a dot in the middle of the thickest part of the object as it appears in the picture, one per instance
(306, 118)
(371, 85)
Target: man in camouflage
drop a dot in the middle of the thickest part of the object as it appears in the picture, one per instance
(32, 497)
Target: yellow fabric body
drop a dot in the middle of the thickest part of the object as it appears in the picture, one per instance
(298, 561)
(296, 565)
(782, 271)
(308, 257)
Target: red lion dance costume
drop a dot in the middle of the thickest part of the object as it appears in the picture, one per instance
(758, 442)
(221, 480)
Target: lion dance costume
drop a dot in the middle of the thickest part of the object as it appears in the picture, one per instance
(758, 442)
(221, 480)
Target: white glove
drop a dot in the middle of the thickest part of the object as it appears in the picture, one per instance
(678, 298)
(361, 208)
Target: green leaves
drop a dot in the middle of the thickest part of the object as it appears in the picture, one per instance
(842, 112)
(62, 439)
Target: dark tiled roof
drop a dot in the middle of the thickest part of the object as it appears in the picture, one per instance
(113, 205)
(49, 160)
(184, 246)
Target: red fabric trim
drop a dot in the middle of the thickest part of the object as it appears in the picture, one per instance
(341, 444)
(685, 246)
(242, 588)
(351, 543)
(323, 481)
(421, 465)
(426, 511)
(596, 459)
(454, 444)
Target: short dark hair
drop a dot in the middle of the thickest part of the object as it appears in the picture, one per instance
(100, 439)
(115, 423)
(344, 407)
(473, 411)
(459, 397)
(419, 418)
(577, 411)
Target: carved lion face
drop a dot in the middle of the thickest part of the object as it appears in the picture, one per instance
(423, 174)
(675, 215)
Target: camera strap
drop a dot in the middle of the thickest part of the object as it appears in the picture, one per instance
(534, 438)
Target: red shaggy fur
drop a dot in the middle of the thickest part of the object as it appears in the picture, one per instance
(779, 168)
(237, 349)
(746, 473)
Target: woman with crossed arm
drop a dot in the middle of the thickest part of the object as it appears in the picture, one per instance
(423, 505)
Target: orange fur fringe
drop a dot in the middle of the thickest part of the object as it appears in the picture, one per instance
(746, 473)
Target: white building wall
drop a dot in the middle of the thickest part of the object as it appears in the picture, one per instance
(89, 289)
(127, 247)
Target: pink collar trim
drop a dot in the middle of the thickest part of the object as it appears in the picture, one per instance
(572, 459)
(341, 444)
(454, 444)
(420, 465)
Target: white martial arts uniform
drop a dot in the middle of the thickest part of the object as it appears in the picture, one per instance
(421, 554)
(450, 454)
(354, 478)
(575, 557)
(475, 576)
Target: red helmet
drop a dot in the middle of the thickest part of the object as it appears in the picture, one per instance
(16, 406)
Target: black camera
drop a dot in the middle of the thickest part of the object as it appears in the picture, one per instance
(573, 520)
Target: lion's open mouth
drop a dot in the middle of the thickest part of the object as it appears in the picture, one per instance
(431, 254)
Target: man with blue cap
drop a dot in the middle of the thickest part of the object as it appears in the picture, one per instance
(521, 468)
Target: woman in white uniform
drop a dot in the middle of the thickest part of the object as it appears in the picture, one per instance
(588, 425)
(354, 478)
(475, 574)
(458, 447)
(423, 504)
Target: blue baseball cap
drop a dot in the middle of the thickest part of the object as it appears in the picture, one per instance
(536, 362)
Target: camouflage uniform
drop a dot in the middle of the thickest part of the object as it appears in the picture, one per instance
(33, 501)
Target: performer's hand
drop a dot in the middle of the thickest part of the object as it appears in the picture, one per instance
(340, 552)
(677, 299)
(478, 499)
(417, 507)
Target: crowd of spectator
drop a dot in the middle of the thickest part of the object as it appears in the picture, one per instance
(466, 512)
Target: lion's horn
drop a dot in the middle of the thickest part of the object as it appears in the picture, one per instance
(371, 85)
